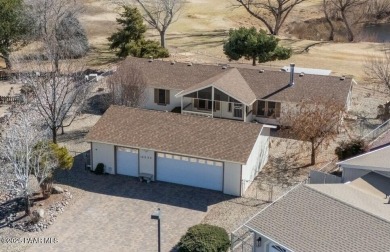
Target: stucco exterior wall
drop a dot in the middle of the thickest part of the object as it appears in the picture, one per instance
(147, 162)
(350, 174)
(232, 179)
(103, 153)
(257, 159)
(173, 101)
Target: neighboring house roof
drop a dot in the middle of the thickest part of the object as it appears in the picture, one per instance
(272, 85)
(362, 193)
(378, 160)
(208, 138)
(382, 141)
(373, 184)
(230, 82)
(309, 220)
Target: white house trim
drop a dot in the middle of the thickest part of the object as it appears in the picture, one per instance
(268, 238)
(168, 152)
(182, 93)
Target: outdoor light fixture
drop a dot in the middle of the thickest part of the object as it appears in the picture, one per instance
(156, 216)
(258, 242)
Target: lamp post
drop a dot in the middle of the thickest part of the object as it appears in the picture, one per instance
(156, 216)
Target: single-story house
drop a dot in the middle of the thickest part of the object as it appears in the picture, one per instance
(216, 154)
(325, 217)
(377, 160)
(245, 94)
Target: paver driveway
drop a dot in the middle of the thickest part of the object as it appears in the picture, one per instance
(114, 214)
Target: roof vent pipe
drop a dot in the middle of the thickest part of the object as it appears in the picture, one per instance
(292, 66)
(150, 59)
(342, 77)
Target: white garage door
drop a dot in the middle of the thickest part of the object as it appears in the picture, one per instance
(190, 171)
(127, 161)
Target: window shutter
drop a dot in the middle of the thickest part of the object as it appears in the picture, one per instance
(277, 109)
(254, 108)
(167, 97)
(155, 95)
(196, 103)
(217, 105)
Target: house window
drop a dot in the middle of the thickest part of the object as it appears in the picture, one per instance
(204, 104)
(268, 109)
(237, 110)
(161, 96)
(230, 104)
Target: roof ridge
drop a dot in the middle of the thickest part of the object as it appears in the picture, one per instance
(350, 205)
(191, 116)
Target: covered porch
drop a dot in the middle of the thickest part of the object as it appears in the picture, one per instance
(214, 103)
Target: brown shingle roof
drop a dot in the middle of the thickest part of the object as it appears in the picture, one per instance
(216, 139)
(230, 82)
(307, 220)
(271, 85)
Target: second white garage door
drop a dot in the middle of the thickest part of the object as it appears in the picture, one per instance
(127, 161)
(190, 171)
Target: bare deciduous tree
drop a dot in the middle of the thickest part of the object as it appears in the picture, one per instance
(351, 12)
(127, 86)
(58, 91)
(315, 121)
(379, 8)
(57, 27)
(377, 70)
(330, 13)
(25, 147)
(272, 13)
(160, 14)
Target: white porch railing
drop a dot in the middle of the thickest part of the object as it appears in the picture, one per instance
(189, 112)
(222, 111)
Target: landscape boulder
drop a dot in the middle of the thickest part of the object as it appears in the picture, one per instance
(37, 215)
(57, 190)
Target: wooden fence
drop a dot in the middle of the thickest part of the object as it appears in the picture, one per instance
(11, 99)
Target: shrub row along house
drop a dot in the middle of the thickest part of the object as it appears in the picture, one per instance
(204, 150)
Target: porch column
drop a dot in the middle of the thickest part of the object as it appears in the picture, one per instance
(181, 100)
(244, 114)
(212, 101)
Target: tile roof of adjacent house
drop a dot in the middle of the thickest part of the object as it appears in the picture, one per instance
(378, 160)
(230, 82)
(308, 220)
(208, 138)
(272, 85)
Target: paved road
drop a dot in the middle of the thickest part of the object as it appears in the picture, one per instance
(114, 214)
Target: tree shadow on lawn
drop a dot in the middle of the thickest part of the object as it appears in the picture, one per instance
(11, 208)
(130, 187)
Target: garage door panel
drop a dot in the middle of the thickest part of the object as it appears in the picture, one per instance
(127, 161)
(190, 171)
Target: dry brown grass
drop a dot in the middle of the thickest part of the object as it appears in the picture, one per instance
(199, 33)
